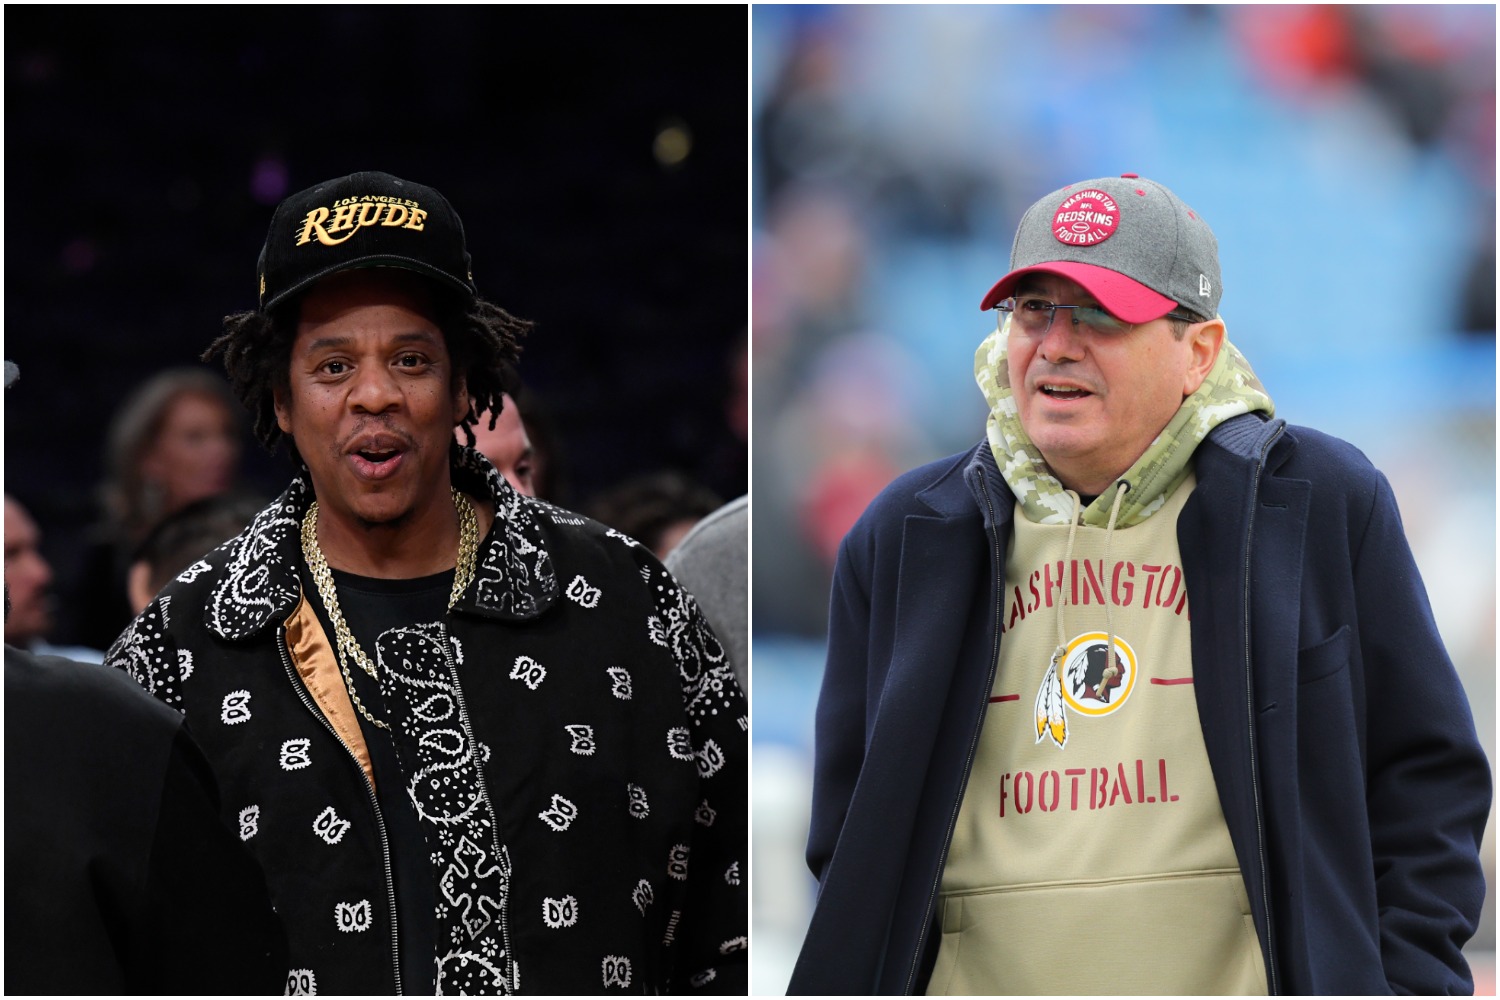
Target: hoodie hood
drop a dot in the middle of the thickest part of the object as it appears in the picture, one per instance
(1230, 389)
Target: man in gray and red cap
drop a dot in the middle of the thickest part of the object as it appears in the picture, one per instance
(1143, 693)
(478, 743)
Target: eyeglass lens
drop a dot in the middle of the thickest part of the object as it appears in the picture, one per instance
(1034, 315)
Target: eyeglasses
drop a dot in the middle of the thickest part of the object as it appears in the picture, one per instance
(1034, 315)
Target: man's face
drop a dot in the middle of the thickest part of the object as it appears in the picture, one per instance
(508, 447)
(28, 578)
(1091, 402)
(371, 400)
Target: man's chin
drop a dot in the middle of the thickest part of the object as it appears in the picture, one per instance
(387, 504)
(372, 510)
(1063, 444)
(389, 515)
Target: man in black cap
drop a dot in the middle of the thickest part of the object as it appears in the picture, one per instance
(480, 744)
(1143, 693)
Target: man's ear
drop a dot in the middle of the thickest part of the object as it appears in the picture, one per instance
(283, 410)
(1204, 343)
(461, 402)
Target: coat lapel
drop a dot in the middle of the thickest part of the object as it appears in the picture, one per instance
(945, 627)
(1220, 532)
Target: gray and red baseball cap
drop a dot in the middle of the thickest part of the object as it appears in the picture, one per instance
(1130, 242)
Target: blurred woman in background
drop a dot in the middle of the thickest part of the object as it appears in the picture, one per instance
(175, 440)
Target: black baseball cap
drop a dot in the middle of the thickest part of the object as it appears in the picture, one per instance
(368, 219)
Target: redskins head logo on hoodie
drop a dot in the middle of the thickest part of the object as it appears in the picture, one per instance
(1081, 677)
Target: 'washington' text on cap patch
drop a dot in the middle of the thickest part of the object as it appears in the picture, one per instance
(352, 214)
(1085, 218)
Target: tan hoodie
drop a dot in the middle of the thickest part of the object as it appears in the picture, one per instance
(1090, 853)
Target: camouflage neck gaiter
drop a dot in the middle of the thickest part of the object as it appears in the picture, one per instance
(1230, 389)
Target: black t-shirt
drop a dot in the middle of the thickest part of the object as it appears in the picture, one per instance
(371, 607)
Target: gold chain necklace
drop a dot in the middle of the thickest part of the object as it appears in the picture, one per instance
(344, 642)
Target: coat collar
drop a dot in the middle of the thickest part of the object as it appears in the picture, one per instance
(1246, 438)
(514, 578)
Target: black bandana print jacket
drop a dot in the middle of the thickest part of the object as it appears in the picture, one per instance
(571, 734)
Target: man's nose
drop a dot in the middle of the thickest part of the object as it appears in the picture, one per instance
(1063, 340)
(375, 389)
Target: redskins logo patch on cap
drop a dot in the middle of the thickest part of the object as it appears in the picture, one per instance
(1085, 218)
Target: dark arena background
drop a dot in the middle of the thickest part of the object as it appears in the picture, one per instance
(597, 156)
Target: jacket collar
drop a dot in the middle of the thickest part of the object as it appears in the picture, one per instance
(1246, 437)
(514, 578)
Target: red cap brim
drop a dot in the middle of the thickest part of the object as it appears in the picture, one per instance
(1124, 297)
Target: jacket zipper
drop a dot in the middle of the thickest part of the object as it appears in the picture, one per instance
(1260, 832)
(463, 714)
(996, 564)
(385, 846)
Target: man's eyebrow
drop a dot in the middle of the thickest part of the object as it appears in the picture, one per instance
(1036, 286)
(1032, 285)
(326, 343)
(339, 341)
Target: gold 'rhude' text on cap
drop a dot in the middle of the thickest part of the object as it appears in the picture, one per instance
(350, 215)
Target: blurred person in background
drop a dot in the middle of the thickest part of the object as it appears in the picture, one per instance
(657, 509)
(182, 539)
(549, 476)
(120, 876)
(28, 588)
(175, 439)
(1024, 739)
(712, 562)
(522, 444)
(502, 438)
(28, 578)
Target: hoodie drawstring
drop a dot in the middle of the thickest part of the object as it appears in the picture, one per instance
(1111, 670)
(1062, 610)
(1051, 716)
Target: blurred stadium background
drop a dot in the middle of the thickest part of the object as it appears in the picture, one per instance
(1345, 156)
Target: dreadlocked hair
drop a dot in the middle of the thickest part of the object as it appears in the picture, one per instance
(487, 356)
(484, 343)
(255, 350)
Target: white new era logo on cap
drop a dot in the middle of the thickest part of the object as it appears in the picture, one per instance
(1204, 288)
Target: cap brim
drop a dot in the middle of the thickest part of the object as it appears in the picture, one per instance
(1124, 297)
(441, 277)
